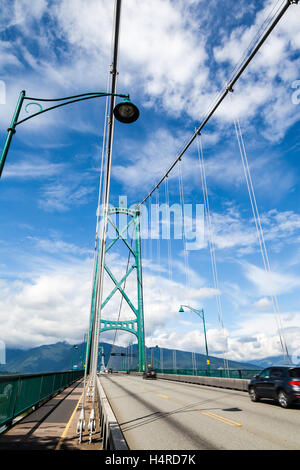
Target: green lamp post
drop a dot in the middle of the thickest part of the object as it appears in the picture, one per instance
(125, 112)
(200, 313)
(75, 347)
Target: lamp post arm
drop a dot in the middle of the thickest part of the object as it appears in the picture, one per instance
(92, 94)
(68, 100)
(198, 312)
(22, 97)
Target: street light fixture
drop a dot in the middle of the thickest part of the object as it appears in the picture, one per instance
(200, 313)
(125, 112)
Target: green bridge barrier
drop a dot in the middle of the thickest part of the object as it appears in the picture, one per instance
(231, 373)
(19, 393)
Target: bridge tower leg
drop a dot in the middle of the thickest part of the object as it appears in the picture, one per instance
(136, 325)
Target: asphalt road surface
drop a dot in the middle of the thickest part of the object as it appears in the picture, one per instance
(160, 414)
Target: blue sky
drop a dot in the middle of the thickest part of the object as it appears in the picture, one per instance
(175, 56)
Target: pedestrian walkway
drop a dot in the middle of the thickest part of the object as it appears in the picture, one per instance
(53, 425)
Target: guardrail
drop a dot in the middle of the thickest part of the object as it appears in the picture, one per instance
(110, 432)
(221, 382)
(19, 393)
(230, 374)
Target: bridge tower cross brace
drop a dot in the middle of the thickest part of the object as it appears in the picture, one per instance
(135, 326)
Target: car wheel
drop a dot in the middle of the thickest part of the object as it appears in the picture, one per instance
(283, 399)
(253, 394)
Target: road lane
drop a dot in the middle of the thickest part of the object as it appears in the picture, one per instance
(160, 414)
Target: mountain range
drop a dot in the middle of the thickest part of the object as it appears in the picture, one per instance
(63, 356)
(271, 361)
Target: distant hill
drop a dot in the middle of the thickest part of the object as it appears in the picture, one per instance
(183, 360)
(61, 356)
(270, 361)
(48, 358)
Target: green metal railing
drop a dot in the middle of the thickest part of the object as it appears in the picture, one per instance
(19, 393)
(232, 373)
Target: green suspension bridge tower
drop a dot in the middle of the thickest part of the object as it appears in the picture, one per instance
(136, 325)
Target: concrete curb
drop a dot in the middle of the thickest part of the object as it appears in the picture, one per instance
(233, 384)
(110, 431)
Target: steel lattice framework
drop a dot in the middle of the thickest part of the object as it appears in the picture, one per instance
(135, 326)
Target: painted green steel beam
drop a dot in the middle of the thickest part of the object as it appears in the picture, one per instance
(118, 286)
(119, 233)
(128, 330)
(121, 290)
(141, 341)
(119, 325)
(107, 325)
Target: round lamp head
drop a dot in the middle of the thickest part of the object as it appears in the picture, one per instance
(126, 112)
(181, 309)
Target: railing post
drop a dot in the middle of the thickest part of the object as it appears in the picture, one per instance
(41, 384)
(15, 401)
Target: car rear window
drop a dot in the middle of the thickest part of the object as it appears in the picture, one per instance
(295, 373)
(277, 373)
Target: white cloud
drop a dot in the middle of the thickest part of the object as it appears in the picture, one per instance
(270, 283)
(60, 196)
(146, 57)
(265, 88)
(17, 12)
(163, 56)
(32, 168)
(263, 303)
(232, 229)
(52, 303)
(7, 56)
(50, 307)
(153, 158)
(55, 246)
(256, 337)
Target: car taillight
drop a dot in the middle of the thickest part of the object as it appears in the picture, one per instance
(294, 382)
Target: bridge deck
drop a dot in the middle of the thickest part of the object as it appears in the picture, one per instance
(52, 426)
(164, 415)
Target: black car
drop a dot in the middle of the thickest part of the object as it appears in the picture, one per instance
(281, 383)
(149, 374)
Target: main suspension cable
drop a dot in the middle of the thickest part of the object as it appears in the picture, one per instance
(228, 87)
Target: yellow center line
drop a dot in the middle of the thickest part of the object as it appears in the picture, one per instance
(67, 426)
(228, 421)
(162, 395)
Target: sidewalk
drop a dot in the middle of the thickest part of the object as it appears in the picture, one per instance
(53, 425)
